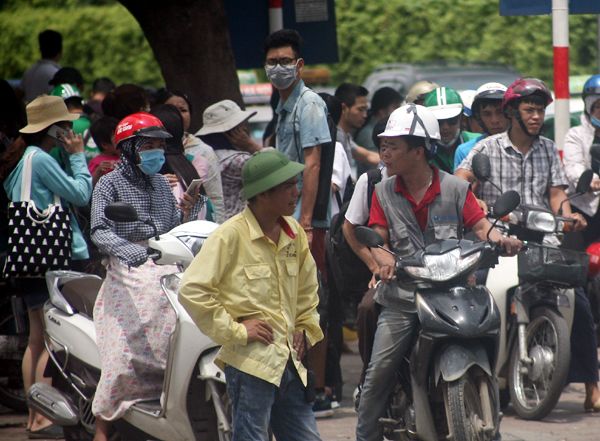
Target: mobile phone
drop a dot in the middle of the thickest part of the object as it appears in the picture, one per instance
(195, 183)
(55, 131)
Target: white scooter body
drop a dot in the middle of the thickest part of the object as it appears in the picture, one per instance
(74, 331)
(500, 279)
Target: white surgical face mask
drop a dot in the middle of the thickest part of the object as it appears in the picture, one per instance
(280, 76)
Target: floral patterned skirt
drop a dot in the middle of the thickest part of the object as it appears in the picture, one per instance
(133, 320)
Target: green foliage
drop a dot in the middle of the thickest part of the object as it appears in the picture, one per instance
(101, 38)
(97, 40)
(15, 4)
(371, 33)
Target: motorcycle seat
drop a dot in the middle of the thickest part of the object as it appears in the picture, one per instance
(81, 294)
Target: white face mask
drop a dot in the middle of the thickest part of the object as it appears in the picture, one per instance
(280, 76)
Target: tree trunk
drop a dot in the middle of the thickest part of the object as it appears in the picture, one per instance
(190, 40)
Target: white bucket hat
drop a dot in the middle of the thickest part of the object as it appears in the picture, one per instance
(223, 116)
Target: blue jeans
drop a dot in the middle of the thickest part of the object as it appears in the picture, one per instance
(257, 403)
(394, 332)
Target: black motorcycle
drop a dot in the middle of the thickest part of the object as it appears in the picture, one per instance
(447, 387)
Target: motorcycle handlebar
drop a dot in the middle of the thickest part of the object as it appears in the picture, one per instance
(153, 254)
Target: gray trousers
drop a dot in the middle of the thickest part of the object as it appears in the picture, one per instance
(394, 332)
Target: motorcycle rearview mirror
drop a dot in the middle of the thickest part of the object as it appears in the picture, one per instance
(585, 180)
(583, 185)
(124, 212)
(121, 212)
(503, 206)
(482, 169)
(370, 238)
(595, 152)
(506, 203)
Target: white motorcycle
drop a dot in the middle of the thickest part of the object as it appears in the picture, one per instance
(535, 296)
(193, 404)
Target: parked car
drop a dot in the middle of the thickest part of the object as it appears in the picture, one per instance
(458, 75)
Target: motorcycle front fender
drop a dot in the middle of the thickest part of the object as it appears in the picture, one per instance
(209, 369)
(457, 358)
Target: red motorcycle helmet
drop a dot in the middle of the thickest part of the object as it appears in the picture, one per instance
(594, 252)
(140, 124)
(524, 87)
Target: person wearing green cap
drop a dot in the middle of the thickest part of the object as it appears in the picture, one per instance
(448, 107)
(252, 288)
(73, 98)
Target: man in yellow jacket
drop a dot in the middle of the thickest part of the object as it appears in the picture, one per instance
(253, 289)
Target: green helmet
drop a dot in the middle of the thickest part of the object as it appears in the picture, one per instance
(66, 91)
(444, 102)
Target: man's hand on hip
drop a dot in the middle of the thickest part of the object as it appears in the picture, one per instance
(299, 344)
(259, 330)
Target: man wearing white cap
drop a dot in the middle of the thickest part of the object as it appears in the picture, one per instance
(225, 129)
(412, 202)
(486, 109)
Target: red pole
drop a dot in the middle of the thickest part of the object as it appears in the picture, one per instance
(560, 40)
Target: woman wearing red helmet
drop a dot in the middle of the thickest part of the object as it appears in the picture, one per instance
(132, 316)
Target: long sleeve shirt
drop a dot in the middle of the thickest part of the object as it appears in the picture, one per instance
(47, 180)
(152, 198)
(241, 274)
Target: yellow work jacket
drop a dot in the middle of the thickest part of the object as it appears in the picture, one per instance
(241, 274)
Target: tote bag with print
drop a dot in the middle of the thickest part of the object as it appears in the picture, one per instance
(38, 241)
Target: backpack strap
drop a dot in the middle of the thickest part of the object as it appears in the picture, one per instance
(296, 124)
(373, 178)
(338, 198)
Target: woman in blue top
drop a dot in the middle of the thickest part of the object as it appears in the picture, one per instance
(73, 186)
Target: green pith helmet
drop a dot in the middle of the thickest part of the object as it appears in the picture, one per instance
(66, 91)
(265, 170)
(444, 102)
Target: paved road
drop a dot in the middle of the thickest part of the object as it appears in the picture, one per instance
(567, 422)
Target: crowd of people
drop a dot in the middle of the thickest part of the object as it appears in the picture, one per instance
(268, 285)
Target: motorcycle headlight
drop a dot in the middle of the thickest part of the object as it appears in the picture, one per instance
(441, 267)
(541, 221)
(194, 243)
(171, 283)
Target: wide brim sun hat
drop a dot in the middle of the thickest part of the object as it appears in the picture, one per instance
(266, 170)
(44, 111)
(223, 116)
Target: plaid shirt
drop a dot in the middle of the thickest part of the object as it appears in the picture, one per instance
(151, 196)
(531, 174)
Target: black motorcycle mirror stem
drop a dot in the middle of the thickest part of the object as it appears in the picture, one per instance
(482, 169)
(370, 238)
(503, 206)
(124, 212)
(595, 152)
(583, 185)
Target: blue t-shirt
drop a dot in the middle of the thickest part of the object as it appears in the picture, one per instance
(462, 151)
(310, 116)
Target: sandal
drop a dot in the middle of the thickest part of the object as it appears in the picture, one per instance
(49, 432)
